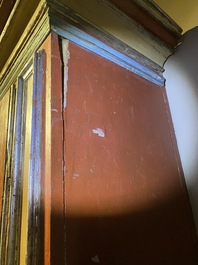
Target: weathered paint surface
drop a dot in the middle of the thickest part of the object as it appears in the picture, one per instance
(132, 9)
(109, 48)
(52, 167)
(57, 201)
(46, 154)
(126, 201)
(120, 26)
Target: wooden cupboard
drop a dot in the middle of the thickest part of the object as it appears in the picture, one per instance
(90, 163)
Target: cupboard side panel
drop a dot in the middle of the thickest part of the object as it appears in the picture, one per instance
(125, 201)
(52, 166)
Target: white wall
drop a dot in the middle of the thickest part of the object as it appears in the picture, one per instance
(181, 73)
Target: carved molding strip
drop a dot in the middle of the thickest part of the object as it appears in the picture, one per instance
(116, 23)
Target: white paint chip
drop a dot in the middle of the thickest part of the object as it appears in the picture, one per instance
(99, 132)
(75, 175)
(95, 259)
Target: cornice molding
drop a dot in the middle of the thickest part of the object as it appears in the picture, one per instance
(160, 16)
(152, 18)
(118, 24)
(77, 30)
(114, 35)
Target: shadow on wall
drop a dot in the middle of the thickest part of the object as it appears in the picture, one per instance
(181, 73)
(157, 234)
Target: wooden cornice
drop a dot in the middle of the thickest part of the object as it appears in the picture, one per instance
(152, 18)
(136, 34)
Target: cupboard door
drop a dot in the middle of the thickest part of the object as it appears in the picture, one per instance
(21, 239)
(126, 201)
(30, 117)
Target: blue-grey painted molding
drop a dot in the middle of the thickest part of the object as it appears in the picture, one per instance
(36, 157)
(86, 41)
(66, 13)
(16, 169)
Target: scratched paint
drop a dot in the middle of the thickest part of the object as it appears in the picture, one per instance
(128, 204)
(66, 57)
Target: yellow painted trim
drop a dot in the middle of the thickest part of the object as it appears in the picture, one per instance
(35, 32)
(19, 18)
(9, 21)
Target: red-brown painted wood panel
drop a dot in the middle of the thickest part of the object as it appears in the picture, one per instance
(57, 200)
(52, 156)
(126, 201)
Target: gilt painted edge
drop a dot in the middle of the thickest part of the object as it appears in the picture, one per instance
(35, 33)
